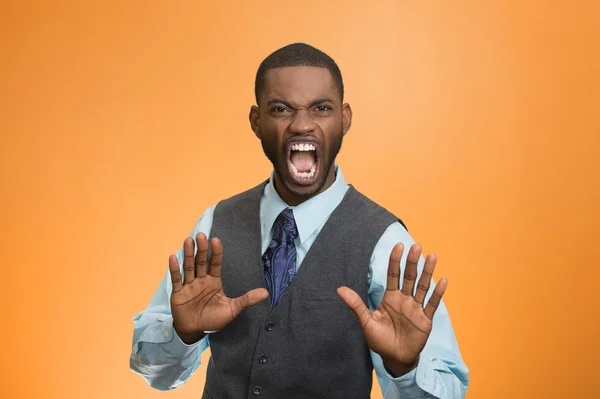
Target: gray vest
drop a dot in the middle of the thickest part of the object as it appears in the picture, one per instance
(310, 344)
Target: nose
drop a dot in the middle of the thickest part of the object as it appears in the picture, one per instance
(302, 122)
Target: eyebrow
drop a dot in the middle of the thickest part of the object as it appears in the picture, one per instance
(316, 102)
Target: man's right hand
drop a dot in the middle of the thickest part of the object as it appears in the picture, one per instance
(198, 303)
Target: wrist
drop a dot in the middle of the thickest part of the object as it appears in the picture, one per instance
(397, 368)
(189, 338)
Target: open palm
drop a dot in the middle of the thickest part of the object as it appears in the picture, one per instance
(198, 303)
(399, 328)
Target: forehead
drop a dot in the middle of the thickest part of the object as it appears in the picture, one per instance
(299, 84)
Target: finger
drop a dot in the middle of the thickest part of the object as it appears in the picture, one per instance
(175, 273)
(356, 304)
(250, 298)
(188, 260)
(393, 276)
(201, 254)
(216, 258)
(425, 279)
(410, 272)
(436, 298)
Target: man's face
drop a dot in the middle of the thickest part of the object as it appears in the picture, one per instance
(300, 122)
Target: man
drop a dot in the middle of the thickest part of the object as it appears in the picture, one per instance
(299, 291)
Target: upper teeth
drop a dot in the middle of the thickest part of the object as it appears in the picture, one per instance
(303, 147)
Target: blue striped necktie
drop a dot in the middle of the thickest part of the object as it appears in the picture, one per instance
(279, 260)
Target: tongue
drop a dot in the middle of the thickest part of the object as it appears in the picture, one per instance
(303, 160)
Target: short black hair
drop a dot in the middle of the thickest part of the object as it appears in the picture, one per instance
(298, 54)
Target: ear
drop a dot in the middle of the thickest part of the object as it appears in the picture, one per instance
(346, 118)
(254, 118)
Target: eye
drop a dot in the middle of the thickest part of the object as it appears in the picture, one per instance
(278, 110)
(323, 108)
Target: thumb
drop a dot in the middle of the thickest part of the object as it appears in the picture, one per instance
(250, 298)
(356, 304)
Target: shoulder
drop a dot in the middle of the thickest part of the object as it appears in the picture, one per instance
(236, 200)
(371, 209)
(394, 234)
(204, 223)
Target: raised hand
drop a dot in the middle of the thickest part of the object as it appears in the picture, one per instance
(198, 303)
(398, 329)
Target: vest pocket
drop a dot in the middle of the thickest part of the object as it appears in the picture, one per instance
(322, 316)
(319, 295)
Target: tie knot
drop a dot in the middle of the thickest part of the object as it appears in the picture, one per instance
(284, 229)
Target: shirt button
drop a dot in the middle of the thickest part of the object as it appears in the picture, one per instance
(269, 326)
(262, 359)
(256, 390)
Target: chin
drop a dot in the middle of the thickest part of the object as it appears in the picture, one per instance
(303, 191)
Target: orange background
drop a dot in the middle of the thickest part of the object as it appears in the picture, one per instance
(475, 121)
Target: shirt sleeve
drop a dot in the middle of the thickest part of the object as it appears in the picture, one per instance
(158, 354)
(441, 372)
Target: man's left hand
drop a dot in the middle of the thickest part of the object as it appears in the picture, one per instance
(398, 329)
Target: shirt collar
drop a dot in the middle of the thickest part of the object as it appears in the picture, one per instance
(308, 215)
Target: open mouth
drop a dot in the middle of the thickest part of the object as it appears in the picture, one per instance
(303, 162)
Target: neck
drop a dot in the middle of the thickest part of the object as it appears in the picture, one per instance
(294, 199)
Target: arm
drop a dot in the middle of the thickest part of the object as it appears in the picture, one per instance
(439, 371)
(191, 303)
(158, 353)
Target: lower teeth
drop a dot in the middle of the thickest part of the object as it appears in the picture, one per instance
(305, 175)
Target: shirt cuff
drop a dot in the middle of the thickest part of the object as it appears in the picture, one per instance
(417, 383)
(175, 347)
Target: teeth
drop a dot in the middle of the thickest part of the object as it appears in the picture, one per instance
(305, 175)
(303, 147)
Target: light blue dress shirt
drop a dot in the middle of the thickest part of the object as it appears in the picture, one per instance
(165, 362)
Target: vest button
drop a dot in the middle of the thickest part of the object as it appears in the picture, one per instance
(256, 390)
(262, 359)
(269, 326)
